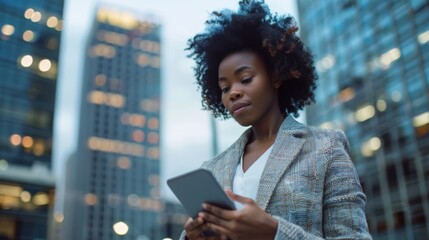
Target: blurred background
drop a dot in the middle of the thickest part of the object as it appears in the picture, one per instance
(98, 107)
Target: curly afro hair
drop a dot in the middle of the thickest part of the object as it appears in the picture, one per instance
(253, 27)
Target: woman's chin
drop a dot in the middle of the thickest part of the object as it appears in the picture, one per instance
(243, 122)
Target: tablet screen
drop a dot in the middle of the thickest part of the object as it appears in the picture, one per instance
(197, 187)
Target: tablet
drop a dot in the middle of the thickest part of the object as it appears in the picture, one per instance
(197, 187)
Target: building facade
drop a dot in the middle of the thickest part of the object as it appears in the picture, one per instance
(30, 33)
(112, 186)
(173, 219)
(373, 64)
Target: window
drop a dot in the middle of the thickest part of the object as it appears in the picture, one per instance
(409, 168)
(392, 177)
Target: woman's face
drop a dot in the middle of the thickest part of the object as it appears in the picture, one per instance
(248, 92)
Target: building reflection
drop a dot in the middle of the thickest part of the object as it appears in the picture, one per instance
(373, 62)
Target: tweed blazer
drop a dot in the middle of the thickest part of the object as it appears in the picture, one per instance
(309, 183)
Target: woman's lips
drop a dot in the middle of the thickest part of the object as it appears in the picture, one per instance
(239, 108)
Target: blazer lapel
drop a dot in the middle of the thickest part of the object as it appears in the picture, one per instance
(287, 145)
(233, 157)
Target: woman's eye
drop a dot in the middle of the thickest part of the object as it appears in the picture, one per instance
(246, 80)
(225, 89)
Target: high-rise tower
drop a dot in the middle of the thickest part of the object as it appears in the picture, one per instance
(113, 183)
(30, 34)
(373, 62)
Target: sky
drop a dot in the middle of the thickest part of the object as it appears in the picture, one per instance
(185, 127)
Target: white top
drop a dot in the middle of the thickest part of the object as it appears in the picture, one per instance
(246, 183)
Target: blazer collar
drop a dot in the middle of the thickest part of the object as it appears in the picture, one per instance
(288, 143)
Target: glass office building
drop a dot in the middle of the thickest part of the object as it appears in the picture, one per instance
(30, 33)
(173, 219)
(113, 179)
(373, 62)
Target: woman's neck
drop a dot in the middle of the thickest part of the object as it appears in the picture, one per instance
(267, 130)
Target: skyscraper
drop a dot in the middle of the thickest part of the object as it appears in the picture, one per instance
(373, 62)
(173, 218)
(113, 183)
(30, 33)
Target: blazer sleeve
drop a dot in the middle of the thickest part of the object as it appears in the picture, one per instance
(343, 199)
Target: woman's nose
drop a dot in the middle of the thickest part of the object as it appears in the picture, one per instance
(235, 94)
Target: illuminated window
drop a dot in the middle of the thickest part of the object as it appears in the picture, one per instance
(423, 37)
(115, 146)
(40, 199)
(143, 60)
(96, 97)
(27, 142)
(28, 36)
(137, 120)
(25, 196)
(120, 228)
(381, 105)
(370, 146)
(90, 199)
(26, 61)
(102, 50)
(36, 16)
(39, 147)
(133, 200)
(387, 58)
(346, 94)
(149, 105)
(115, 100)
(100, 79)
(59, 26)
(153, 153)
(138, 136)
(123, 163)
(52, 22)
(28, 13)
(122, 19)
(45, 65)
(8, 29)
(325, 63)
(364, 113)
(421, 119)
(112, 37)
(15, 139)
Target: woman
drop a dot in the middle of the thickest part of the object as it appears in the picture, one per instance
(288, 180)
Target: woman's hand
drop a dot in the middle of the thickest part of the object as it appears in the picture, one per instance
(194, 230)
(251, 222)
